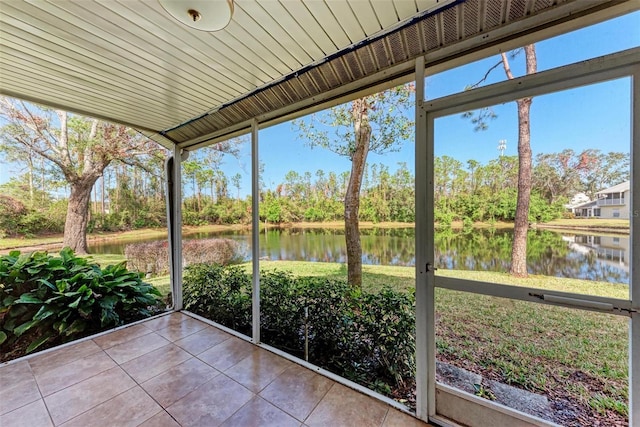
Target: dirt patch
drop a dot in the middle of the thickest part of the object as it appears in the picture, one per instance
(566, 410)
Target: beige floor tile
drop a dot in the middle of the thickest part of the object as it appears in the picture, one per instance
(181, 330)
(162, 419)
(18, 387)
(72, 401)
(297, 391)
(258, 370)
(14, 373)
(63, 376)
(227, 353)
(128, 409)
(202, 340)
(211, 404)
(260, 413)
(155, 362)
(32, 415)
(396, 418)
(63, 356)
(172, 385)
(343, 406)
(166, 321)
(123, 335)
(130, 350)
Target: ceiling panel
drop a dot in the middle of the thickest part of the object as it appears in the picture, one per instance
(130, 62)
(385, 12)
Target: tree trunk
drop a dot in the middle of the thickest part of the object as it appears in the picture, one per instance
(102, 196)
(75, 226)
(521, 223)
(31, 167)
(362, 130)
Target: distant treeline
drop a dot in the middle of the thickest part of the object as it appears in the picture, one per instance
(129, 197)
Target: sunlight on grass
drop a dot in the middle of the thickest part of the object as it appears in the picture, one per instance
(590, 222)
(104, 260)
(163, 283)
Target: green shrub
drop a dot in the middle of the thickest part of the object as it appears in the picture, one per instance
(58, 298)
(367, 337)
(222, 294)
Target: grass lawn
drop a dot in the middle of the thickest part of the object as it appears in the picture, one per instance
(622, 224)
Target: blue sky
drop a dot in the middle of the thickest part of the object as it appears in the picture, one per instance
(590, 117)
(596, 116)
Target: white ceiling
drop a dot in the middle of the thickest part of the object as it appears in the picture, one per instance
(130, 62)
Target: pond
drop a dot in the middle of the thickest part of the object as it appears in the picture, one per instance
(592, 257)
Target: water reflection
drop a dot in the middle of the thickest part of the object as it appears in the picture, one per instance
(593, 257)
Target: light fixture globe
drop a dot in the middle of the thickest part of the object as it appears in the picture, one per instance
(203, 15)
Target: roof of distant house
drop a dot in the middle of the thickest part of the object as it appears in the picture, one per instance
(620, 188)
(585, 205)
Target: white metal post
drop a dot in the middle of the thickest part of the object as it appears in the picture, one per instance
(634, 266)
(255, 232)
(176, 229)
(425, 356)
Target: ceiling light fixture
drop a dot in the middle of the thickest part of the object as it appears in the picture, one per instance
(203, 15)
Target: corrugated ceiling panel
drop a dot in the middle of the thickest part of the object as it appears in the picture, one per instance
(492, 14)
(366, 16)
(296, 30)
(202, 48)
(367, 61)
(179, 61)
(275, 38)
(343, 13)
(516, 9)
(66, 26)
(396, 44)
(430, 33)
(355, 69)
(21, 61)
(329, 74)
(450, 22)
(380, 53)
(283, 95)
(130, 62)
(342, 70)
(294, 91)
(405, 8)
(323, 15)
(44, 52)
(414, 41)
(385, 12)
(277, 34)
(542, 4)
(301, 14)
(471, 13)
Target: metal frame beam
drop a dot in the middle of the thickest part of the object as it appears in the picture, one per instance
(608, 67)
(618, 65)
(424, 324)
(255, 234)
(174, 219)
(634, 273)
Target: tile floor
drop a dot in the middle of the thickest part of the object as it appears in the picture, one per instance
(178, 371)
